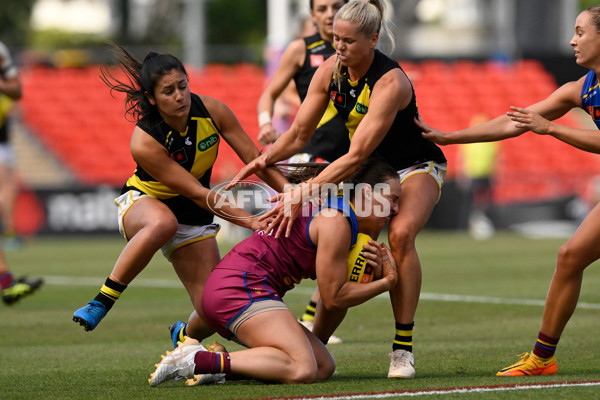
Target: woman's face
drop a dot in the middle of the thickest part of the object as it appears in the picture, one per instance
(172, 95)
(586, 42)
(352, 46)
(322, 15)
(375, 206)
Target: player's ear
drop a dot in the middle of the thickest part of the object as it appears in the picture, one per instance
(150, 98)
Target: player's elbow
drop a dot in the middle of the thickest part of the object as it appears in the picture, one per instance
(333, 303)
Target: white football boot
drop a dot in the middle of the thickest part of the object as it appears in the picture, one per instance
(179, 362)
(402, 365)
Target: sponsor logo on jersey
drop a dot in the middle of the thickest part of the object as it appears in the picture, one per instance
(179, 155)
(361, 108)
(208, 142)
(338, 98)
(316, 60)
(594, 111)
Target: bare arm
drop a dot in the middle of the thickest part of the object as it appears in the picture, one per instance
(303, 127)
(289, 65)
(154, 159)
(583, 139)
(240, 142)
(391, 94)
(331, 263)
(554, 106)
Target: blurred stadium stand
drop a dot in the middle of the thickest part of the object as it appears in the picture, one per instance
(77, 121)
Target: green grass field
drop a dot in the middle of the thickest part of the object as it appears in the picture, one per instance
(481, 306)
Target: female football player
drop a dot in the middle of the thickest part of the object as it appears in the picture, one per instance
(582, 248)
(167, 203)
(377, 101)
(298, 64)
(242, 298)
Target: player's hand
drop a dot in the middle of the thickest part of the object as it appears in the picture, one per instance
(274, 216)
(374, 254)
(267, 134)
(284, 213)
(262, 223)
(390, 270)
(430, 133)
(258, 164)
(527, 119)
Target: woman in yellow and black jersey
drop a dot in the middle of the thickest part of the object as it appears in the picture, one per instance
(317, 50)
(403, 146)
(377, 101)
(298, 63)
(195, 150)
(165, 204)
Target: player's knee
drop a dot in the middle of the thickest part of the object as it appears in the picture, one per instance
(163, 227)
(303, 373)
(401, 237)
(570, 258)
(326, 369)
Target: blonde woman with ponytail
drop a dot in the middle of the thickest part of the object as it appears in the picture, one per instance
(377, 101)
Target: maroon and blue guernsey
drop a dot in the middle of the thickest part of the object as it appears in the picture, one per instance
(284, 262)
(262, 268)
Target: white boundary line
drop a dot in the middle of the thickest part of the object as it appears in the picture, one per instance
(303, 291)
(409, 393)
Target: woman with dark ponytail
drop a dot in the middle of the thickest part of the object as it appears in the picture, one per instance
(167, 203)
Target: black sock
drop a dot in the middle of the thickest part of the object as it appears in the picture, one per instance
(403, 338)
(110, 292)
(309, 313)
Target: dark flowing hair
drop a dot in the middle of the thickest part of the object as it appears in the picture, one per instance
(141, 78)
(373, 171)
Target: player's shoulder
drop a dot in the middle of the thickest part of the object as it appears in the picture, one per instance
(571, 90)
(295, 51)
(211, 103)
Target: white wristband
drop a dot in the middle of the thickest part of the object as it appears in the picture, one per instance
(264, 118)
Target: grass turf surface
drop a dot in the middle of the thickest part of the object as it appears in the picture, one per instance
(460, 340)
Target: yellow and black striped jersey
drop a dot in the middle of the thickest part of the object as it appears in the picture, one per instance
(330, 141)
(403, 144)
(195, 150)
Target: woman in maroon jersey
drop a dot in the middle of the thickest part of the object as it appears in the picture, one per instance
(242, 299)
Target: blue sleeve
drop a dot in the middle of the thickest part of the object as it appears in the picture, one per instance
(343, 205)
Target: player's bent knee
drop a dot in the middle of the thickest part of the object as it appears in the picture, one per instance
(570, 258)
(163, 228)
(401, 237)
(326, 370)
(303, 374)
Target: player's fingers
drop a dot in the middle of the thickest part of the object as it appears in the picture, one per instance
(288, 230)
(243, 174)
(274, 224)
(275, 198)
(280, 227)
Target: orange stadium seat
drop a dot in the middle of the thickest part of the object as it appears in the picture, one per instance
(67, 108)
